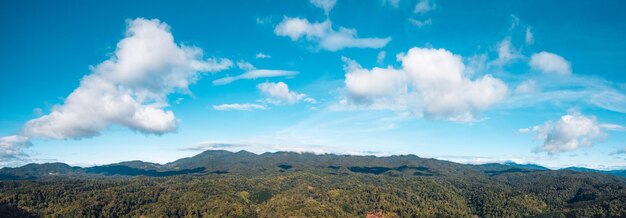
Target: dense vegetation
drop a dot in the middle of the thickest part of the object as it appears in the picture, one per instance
(289, 184)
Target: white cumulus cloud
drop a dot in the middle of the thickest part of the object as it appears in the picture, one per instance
(279, 93)
(130, 89)
(547, 62)
(435, 78)
(438, 76)
(325, 36)
(379, 88)
(573, 131)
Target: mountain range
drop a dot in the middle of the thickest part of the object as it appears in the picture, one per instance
(247, 163)
(218, 183)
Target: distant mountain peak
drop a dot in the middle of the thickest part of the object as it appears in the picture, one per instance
(247, 163)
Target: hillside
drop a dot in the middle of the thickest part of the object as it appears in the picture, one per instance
(244, 184)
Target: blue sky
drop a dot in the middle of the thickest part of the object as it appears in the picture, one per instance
(472, 82)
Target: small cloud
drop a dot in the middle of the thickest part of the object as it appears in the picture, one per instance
(263, 20)
(528, 86)
(239, 107)
(506, 53)
(254, 74)
(244, 65)
(262, 56)
(279, 93)
(420, 23)
(179, 100)
(325, 36)
(547, 62)
(326, 5)
(310, 100)
(530, 39)
(381, 57)
(423, 6)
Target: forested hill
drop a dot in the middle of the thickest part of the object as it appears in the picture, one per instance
(287, 184)
(247, 163)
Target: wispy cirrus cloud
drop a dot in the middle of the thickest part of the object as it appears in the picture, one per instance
(325, 36)
(254, 74)
(251, 72)
(239, 107)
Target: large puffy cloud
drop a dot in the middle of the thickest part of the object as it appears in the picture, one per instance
(547, 62)
(573, 131)
(129, 89)
(436, 77)
(325, 36)
(380, 88)
(279, 93)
